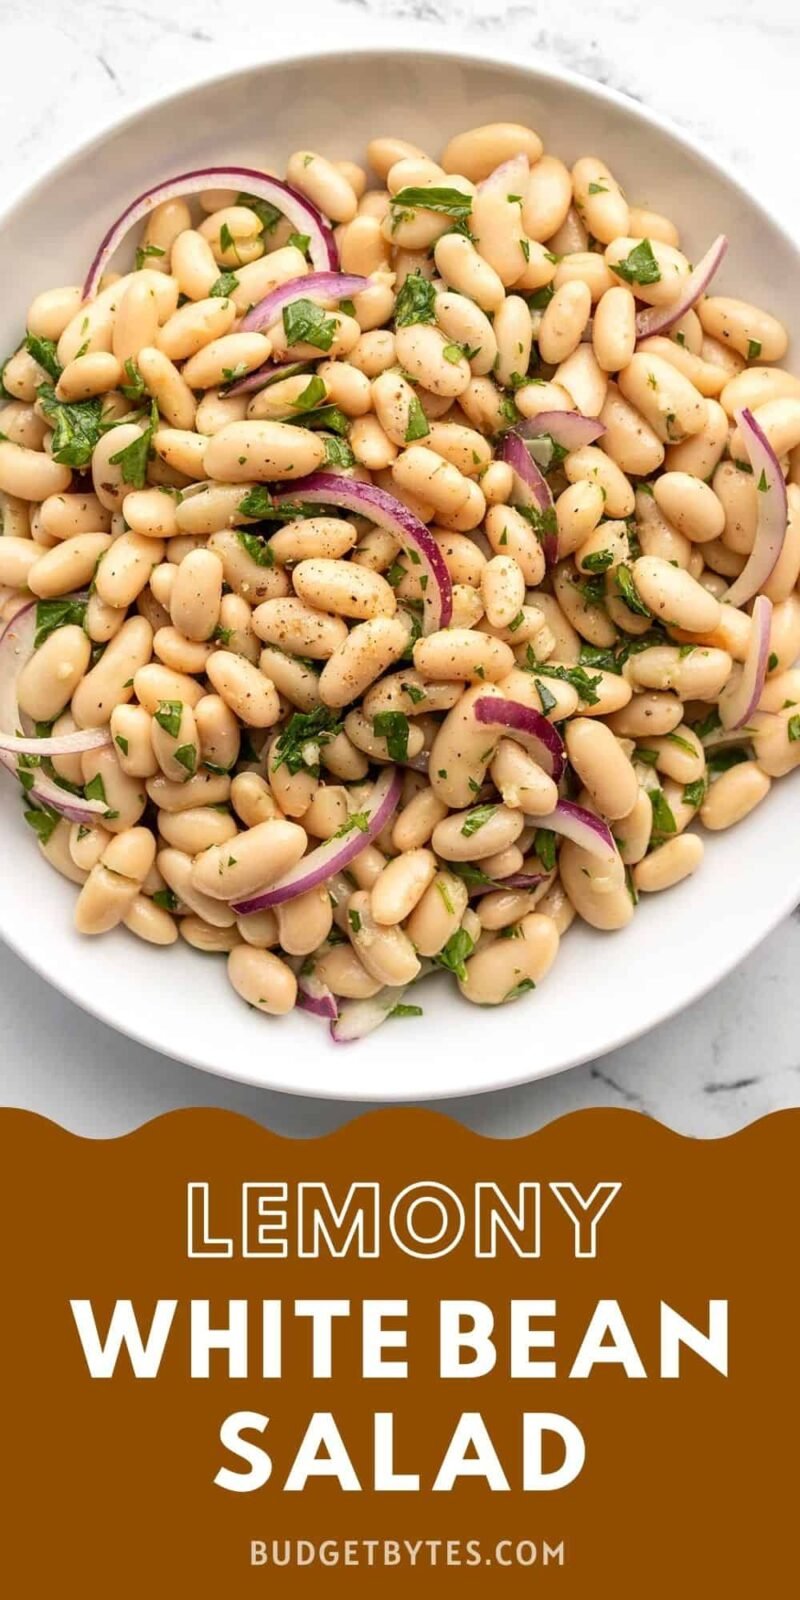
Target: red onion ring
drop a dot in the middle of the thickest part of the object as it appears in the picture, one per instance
(314, 996)
(531, 489)
(566, 428)
(773, 512)
(304, 217)
(328, 285)
(657, 319)
(529, 727)
(740, 697)
(366, 500)
(582, 827)
(262, 377)
(335, 854)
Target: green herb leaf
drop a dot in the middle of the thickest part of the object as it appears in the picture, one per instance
(61, 613)
(454, 353)
(393, 727)
(96, 790)
(445, 897)
(301, 242)
(540, 299)
(418, 425)
(694, 793)
(338, 454)
(312, 396)
(548, 700)
(168, 715)
(146, 252)
(405, 1011)
(416, 301)
(44, 351)
(357, 819)
(663, 819)
(268, 215)
(133, 460)
(122, 743)
(722, 759)
(753, 349)
(523, 987)
(165, 899)
(256, 547)
(298, 745)
(186, 757)
(456, 953)
(354, 920)
(629, 593)
(598, 188)
(709, 725)
(134, 389)
(598, 561)
(224, 285)
(77, 427)
(306, 323)
(449, 202)
(577, 676)
(43, 822)
(544, 845)
(793, 729)
(680, 743)
(477, 818)
(640, 266)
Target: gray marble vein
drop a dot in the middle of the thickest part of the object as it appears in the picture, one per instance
(726, 73)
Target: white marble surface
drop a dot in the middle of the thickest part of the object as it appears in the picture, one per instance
(724, 70)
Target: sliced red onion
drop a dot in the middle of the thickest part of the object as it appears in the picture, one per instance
(531, 489)
(270, 373)
(566, 428)
(516, 880)
(511, 177)
(740, 697)
(529, 726)
(773, 512)
(657, 319)
(16, 649)
(44, 792)
(313, 995)
(327, 285)
(367, 500)
(336, 853)
(304, 217)
(582, 827)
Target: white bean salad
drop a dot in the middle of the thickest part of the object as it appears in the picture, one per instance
(397, 562)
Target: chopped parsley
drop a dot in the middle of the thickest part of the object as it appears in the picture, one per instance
(165, 899)
(306, 323)
(224, 285)
(722, 759)
(456, 953)
(598, 188)
(415, 302)
(268, 215)
(628, 591)
(256, 547)
(338, 454)
(134, 389)
(445, 897)
(793, 729)
(523, 987)
(133, 459)
(44, 351)
(186, 757)
(576, 675)
(663, 819)
(357, 819)
(753, 349)
(418, 426)
(393, 727)
(43, 822)
(597, 561)
(405, 1011)
(354, 920)
(772, 662)
(544, 845)
(298, 745)
(96, 790)
(680, 743)
(301, 242)
(477, 818)
(449, 202)
(77, 427)
(122, 743)
(312, 396)
(168, 714)
(694, 793)
(640, 266)
(61, 613)
(147, 252)
(414, 692)
(548, 700)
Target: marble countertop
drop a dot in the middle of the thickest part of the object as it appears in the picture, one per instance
(723, 71)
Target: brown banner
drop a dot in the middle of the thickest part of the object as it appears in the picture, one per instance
(598, 1326)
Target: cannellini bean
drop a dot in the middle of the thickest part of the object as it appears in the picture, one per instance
(669, 864)
(47, 681)
(776, 746)
(67, 566)
(262, 450)
(259, 857)
(633, 445)
(521, 782)
(195, 325)
(385, 951)
(462, 653)
(671, 265)
(599, 199)
(168, 388)
(663, 396)
(547, 199)
(370, 647)
(30, 474)
(262, 979)
(437, 914)
(506, 967)
(344, 588)
(250, 695)
(564, 321)
(305, 922)
(734, 795)
(614, 329)
(130, 731)
(465, 271)
(675, 596)
(602, 767)
(401, 885)
(690, 505)
(754, 333)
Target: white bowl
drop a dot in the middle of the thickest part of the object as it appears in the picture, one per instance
(603, 990)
